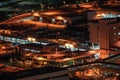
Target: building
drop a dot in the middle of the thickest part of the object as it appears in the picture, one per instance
(34, 55)
(104, 32)
(44, 73)
(43, 47)
(6, 48)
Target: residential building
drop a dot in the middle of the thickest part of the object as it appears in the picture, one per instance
(104, 32)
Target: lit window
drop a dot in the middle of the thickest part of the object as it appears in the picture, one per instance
(65, 21)
(118, 15)
(114, 28)
(40, 19)
(53, 20)
(118, 33)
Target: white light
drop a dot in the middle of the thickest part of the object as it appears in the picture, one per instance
(97, 55)
(53, 20)
(44, 43)
(40, 18)
(118, 15)
(117, 74)
(36, 14)
(69, 46)
(82, 49)
(118, 33)
(32, 50)
(65, 21)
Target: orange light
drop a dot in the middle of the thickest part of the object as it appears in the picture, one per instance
(59, 18)
(3, 47)
(36, 14)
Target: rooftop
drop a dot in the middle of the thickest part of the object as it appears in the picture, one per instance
(29, 72)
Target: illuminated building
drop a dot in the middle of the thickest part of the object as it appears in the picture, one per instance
(6, 48)
(104, 32)
(44, 47)
(38, 55)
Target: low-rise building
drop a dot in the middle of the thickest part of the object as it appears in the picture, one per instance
(6, 48)
(44, 73)
(42, 47)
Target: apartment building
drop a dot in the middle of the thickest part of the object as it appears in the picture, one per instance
(104, 32)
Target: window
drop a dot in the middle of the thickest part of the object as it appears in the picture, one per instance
(114, 28)
(118, 33)
(118, 27)
(114, 33)
(114, 39)
(1, 37)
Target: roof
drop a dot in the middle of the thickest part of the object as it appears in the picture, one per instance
(5, 42)
(39, 45)
(16, 27)
(33, 45)
(30, 72)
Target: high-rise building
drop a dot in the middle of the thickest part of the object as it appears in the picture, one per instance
(105, 32)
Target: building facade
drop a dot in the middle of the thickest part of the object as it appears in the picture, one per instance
(104, 32)
(44, 73)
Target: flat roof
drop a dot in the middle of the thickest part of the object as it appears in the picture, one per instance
(39, 45)
(30, 72)
(15, 27)
(5, 42)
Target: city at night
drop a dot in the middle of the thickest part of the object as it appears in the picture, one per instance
(59, 39)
